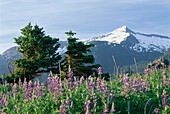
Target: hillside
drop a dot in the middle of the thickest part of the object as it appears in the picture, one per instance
(122, 43)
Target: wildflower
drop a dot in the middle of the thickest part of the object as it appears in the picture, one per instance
(164, 99)
(120, 78)
(100, 70)
(164, 76)
(87, 106)
(156, 110)
(15, 88)
(63, 108)
(19, 83)
(146, 72)
(68, 101)
(42, 90)
(3, 101)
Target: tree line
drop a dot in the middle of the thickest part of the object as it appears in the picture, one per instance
(40, 54)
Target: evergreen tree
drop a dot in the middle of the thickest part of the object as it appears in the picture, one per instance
(77, 58)
(38, 51)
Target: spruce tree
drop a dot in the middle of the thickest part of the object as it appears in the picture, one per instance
(77, 57)
(38, 51)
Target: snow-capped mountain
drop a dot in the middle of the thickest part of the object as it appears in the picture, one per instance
(122, 43)
(141, 42)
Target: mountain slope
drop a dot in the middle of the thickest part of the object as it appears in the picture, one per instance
(3, 66)
(122, 43)
(139, 41)
(125, 45)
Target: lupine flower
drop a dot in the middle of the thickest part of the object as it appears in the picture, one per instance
(68, 101)
(42, 90)
(100, 70)
(15, 90)
(3, 101)
(120, 78)
(164, 76)
(127, 85)
(30, 89)
(95, 101)
(164, 99)
(146, 72)
(70, 75)
(19, 83)
(134, 88)
(87, 105)
(25, 86)
(156, 110)
(36, 88)
(63, 108)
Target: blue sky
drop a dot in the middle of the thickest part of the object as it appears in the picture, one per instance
(89, 18)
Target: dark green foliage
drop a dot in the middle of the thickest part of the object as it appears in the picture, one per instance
(38, 51)
(77, 57)
(159, 63)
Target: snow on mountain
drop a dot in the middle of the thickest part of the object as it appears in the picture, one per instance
(117, 36)
(148, 42)
(155, 43)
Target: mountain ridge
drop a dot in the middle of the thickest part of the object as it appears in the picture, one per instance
(149, 42)
(125, 45)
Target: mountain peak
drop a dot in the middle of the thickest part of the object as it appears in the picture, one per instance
(122, 29)
(116, 36)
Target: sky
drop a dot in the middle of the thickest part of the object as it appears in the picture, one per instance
(88, 18)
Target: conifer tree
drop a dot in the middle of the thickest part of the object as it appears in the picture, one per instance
(38, 51)
(77, 57)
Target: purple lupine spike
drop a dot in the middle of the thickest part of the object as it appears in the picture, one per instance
(19, 82)
(63, 108)
(100, 70)
(15, 88)
(164, 99)
(70, 74)
(88, 107)
(164, 76)
(42, 90)
(68, 101)
(146, 72)
(30, 89)
(25, 86)
(3, 101)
